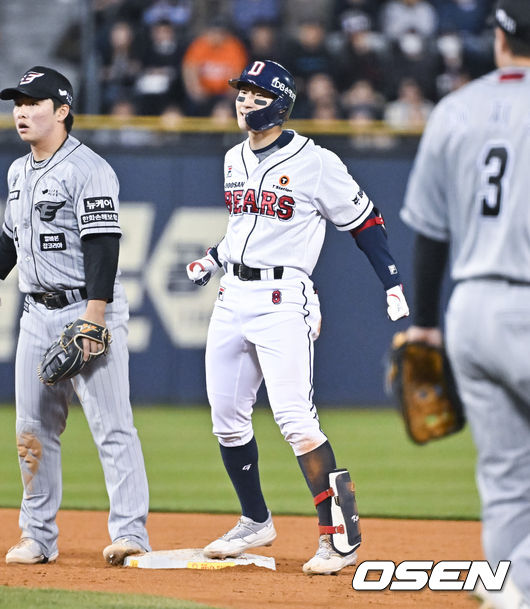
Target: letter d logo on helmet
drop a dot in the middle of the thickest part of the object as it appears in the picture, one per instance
(275, 79)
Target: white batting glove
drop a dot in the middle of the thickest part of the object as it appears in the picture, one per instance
(201, 271)
(397, 305)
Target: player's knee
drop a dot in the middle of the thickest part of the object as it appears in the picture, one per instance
(29, 449)
(229, 437)
(304, 442)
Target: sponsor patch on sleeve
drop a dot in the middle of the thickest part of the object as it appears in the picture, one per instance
(52, 242)
(95, 204)
(13, 195)
(96, 218)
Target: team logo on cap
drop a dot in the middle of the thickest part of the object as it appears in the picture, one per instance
(506, 21)
(64, 93)
(256, 69)
(30, 77)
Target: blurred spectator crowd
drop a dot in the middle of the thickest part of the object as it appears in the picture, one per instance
(360, 60)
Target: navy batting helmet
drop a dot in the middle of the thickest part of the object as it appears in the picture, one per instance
(275, 79)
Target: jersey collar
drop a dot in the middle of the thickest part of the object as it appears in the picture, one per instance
(69, 144)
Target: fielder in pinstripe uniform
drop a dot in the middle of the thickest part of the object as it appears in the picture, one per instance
(61, 228)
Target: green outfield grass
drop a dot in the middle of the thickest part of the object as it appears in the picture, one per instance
(14, 598)
(394, 477)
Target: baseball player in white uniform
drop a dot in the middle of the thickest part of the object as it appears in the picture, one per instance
(61, 228)
(280, 188)
(468, 194)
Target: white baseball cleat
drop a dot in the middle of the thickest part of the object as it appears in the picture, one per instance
(327, 561)
(28, 552)
(124, 546)
(245, 535)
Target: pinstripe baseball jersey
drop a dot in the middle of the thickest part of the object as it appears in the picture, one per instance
(461, 185)
(279, 206)
(51, 204)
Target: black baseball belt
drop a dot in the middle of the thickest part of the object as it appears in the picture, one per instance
(247, 273)
(58, 300)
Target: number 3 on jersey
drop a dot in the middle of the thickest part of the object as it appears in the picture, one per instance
(493, 166)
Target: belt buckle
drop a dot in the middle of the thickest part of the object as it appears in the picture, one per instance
(48, 297)
(242, 277)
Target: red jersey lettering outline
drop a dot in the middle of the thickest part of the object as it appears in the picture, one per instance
(244, 202)
(268, 199)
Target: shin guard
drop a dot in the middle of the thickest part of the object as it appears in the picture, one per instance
(345, 531)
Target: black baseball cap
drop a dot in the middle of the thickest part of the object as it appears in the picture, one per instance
(40, 82)
(513, 17)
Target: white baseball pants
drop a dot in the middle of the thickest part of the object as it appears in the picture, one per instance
(264, 330)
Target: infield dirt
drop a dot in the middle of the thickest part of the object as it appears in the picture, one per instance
(83, 535)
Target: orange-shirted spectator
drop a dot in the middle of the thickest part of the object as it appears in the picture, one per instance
(210, 60)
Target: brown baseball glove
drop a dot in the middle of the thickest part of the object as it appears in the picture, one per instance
(420, 379)
(64, 358)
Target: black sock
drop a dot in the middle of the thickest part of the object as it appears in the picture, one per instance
(241, 463)
(316, 466)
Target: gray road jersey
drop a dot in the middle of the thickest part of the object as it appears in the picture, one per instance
(50, 206)
(471, 178)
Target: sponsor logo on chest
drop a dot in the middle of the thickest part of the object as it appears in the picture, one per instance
(52, 242)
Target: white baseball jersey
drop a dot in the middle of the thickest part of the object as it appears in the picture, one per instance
(50, 205)
(461, 185)
(279, 207)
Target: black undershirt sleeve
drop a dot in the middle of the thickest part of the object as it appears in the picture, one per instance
(100, 254)
(8, 255)
(429, 260)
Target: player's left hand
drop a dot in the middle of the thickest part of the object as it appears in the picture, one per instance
(397, 305)
(94, 313)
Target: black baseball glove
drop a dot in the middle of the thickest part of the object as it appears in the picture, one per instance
(419, 377)
(64, 358)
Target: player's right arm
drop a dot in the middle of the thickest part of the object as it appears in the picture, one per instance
(8, 255)
(429, 260)
(426, 212)
(8, 250)
(200, 271)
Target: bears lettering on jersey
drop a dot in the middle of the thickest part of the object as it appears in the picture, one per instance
(266, 204)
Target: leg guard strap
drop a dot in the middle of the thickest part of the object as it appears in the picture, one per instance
(330, 530)
(323, 496)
